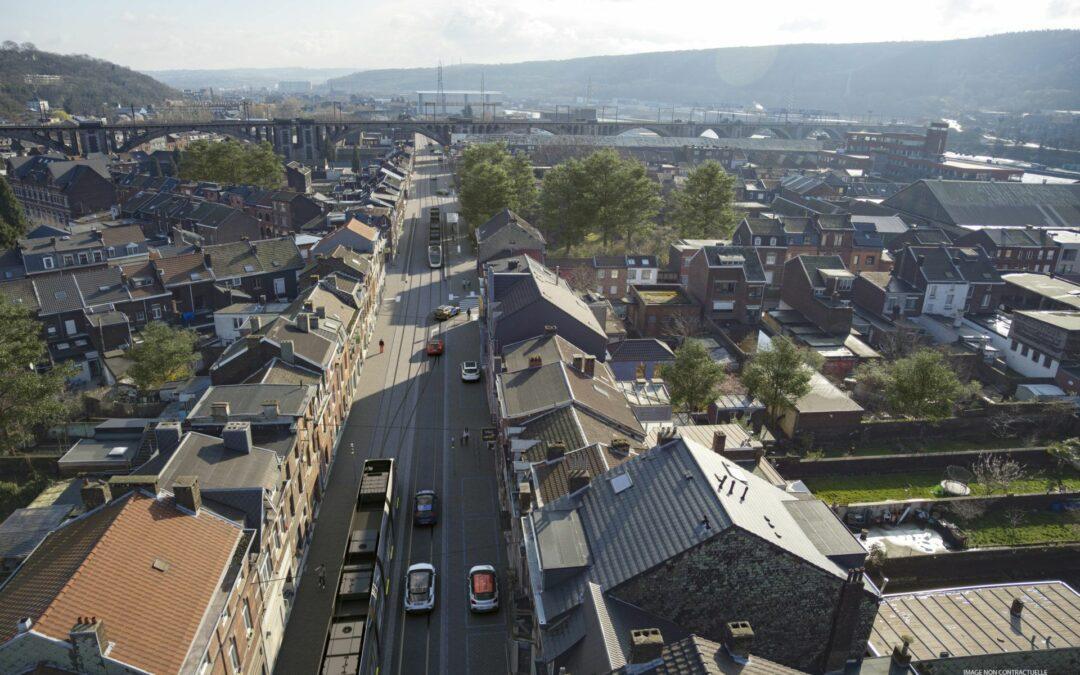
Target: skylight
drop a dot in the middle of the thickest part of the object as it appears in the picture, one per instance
(249, 268)
(620, 482)
(118, 451)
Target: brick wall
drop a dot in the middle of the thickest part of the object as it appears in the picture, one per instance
(983, 566)
(737, 576)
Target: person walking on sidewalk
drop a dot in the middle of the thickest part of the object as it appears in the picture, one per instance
(382, 346)
(465, 437)
(321, 572)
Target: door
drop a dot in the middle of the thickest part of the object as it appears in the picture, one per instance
(279, 286)
(69, 327)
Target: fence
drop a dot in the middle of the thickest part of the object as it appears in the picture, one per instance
(793, 468)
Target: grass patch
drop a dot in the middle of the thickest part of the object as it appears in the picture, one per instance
(917, 485)
(914, 446)
(17, 495)
(1036, 527)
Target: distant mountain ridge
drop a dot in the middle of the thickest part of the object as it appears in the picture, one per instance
(231, 78)
(85, 85)
(1012, 71)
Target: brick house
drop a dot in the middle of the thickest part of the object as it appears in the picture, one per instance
(728, 283)
(954, 280)
(55, 190)
(661, 310)
(679, 255)
(820, 288)
(734, 548)
(1015, 249)
(90, 248)
(292, 210)
(885, 295)
(221, 224)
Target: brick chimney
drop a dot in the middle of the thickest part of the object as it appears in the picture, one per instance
(577, 479)
(88, 641)
(620, 446)
(590, 365)
(95, 493)
(551, 329)
(536, 361)
(900, 663)
(186, 492)
(255, 322)
(167, 436)
(207, 263)
(578, 360)
(220, 410)
(303, 322)
(524, 496)
(646, 645)
(556, 450)
(288, 351)
(320, 312)
(121, 485)
(738, 640)
(237, 436)
(719, 441)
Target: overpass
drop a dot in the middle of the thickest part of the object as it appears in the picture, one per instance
(303, 139)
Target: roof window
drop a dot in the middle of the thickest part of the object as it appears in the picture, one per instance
(620, 482)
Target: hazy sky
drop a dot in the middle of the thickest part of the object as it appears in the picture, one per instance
(361, 34)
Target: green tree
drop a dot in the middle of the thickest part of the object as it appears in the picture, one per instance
(356, 160)
(485, 190)
(232, 162)
(924, 385)
(523, 184)
(702, 209)
(487, 167)
(564, 216)
(780, 376)
(694, 378)
(165, 354)
(13, 223)
(28, 399)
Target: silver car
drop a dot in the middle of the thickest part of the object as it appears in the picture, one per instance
(420, 588)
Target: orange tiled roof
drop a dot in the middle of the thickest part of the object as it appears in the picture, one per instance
(103, 566)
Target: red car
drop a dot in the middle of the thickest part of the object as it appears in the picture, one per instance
(435, 347)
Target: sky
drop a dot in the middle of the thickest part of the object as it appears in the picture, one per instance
(365, 34)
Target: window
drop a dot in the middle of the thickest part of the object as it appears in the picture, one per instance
(971, 292)
(723, 306)
(256, 282)
(246, 614)
(47, 262)
(854, 261)
(1035, 354)
(910, 303)
(69, 260)
(1015, 344)
(1024, 351)
(83, 258)
(234, 656)
(933, 292)
(111, 252)
(155, 312)
(772, 241)
(614, 290)
(96, 256)
(132, 249)
(140, 315)
(600, 274)
(757, 241)
(770, 258)
(614, 274)
(237, 322)
(986, 301)
(869, 260)
(1047, 360)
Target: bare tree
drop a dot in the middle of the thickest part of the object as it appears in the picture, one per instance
(968, 509)
(681, 326)
(904, 341)
(1015, 517)
(996, 473)
(1005, 425)
(581, 278)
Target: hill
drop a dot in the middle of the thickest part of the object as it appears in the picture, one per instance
(1014, 71)
(85, 86)
(231, 78)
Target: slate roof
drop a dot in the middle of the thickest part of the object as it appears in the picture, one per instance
(21, 292)
(937, 265)
(991, 203)
(695, 655)
(543, 285)
(716, 256)
(502, 219)
(103, 565)
(245, 400)
(974, 265)
(814, 264)
(216, 466)
(180, 269)
(58, 293)
(550, 347)
(24, 529)
(637, 350)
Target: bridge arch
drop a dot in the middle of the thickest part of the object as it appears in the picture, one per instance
(40, 139)
(657, 130)
(715, 132)
(768, 132)
(819, 133)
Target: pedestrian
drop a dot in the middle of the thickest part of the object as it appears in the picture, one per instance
(468, 313)
(451, 441)
(382, 346)
(321, 571)
(465, 437)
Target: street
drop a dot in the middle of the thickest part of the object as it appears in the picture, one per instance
(413, 408)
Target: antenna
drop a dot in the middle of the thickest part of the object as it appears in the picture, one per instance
(483, 98)
(440, 95)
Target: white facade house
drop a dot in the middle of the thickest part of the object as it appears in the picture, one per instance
(946, 299)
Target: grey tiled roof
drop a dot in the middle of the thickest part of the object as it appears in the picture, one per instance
(501, 220)
(24, 529)
(216, 466)
(58, 293)
(991, 203)
(543, 285)
(635, 350)
(247, 399)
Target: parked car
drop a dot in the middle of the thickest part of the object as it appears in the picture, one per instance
(470, 371)
(420, 588)
(444, 312)
(442, 192)
(435, 347)
(425, 508)
(483, 589)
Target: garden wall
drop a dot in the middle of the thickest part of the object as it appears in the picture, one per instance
(984, 566)
(987, 502)
(793, 468)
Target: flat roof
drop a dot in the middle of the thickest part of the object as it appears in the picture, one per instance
(976, 620)
(1067, 320)
(1053, 288)
(673, 296)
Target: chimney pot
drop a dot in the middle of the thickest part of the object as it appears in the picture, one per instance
(207, 263)
(524, 496)
(738, 639)
(288, 351)
(646, 645)
(536, 361)
(270, 409)
(303, 322)
(579, 362)
(121, 485)
(167, 436)
(590, 365)
(237, 436)
(1017, 608)
(719, 441)
(556, 450)
(551, 329)
(186, 492)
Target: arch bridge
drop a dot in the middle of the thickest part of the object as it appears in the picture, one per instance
(304, 139)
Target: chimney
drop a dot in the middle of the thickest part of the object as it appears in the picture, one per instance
(579, 362)
(287, 351)
(738, 639)
(536, 361)
(121, 485)
(620, 446)
(220, 410)
(901, 658)
(1017, 609)
(646, 645)
(556, 450)
(314, 279)
(270, 409)
(237, 436)
(577, 479)
(303, 322)
(524, 494)
(551, 329)
(95, 493)
(308, 306)
(167, 435)
(719, 440)
(255, 321)
(320, 312)
(186, 493)
(88, 641)
(206, 261)
(589, 365)
(313, 321)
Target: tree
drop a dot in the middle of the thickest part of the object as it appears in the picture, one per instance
(165, 354)
(564, 217)
(491, 179)
(780, 376)
(13, 223)
(923, 385)
(232, 162)
(580, 278)
(356, 160)
(622, 198)
(994, 472)
(523, 184)
(694, 378)
(703, 208)
(28, 398)
(1066, 456)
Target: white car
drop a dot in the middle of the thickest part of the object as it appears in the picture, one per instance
(470, 371)
(483, 589)
(420, 588)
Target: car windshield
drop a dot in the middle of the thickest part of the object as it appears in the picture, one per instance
(419, 583)
(483, 585)
(469, 366)
(425, 502)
